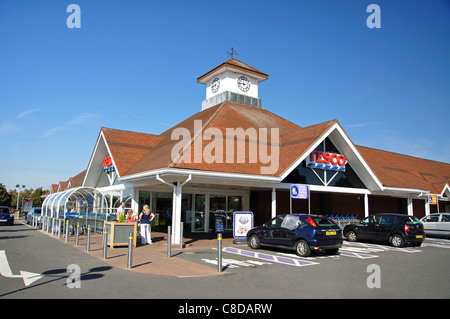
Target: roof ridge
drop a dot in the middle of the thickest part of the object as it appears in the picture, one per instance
(134, 132)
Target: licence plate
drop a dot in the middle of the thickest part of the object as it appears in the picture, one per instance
(330, 233)
(419, 236)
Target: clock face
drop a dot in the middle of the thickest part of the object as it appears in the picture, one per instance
(243, 84)
(215, 85)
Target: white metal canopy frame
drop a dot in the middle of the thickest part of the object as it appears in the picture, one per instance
(84, 200)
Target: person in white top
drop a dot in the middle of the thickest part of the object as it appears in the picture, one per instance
(121, 210)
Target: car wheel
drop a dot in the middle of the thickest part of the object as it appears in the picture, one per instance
(351, 236)
(397, 241)
(302, 248)
(254, 242)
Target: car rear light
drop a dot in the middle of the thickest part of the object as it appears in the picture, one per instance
(407, 228)
(310, 221)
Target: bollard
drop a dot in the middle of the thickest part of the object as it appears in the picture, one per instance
(105, 238)
(181, 235)
(59, 228)
(88, 243)
(169, 241)
(67, 231)
(77, 234)
(130, 250)
(53, 226)
(219, 252)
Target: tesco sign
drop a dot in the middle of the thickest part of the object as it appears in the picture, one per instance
(325, 160)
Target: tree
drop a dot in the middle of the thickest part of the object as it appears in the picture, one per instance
(5, 197)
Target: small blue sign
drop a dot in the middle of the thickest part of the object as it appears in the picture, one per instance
(299, 191)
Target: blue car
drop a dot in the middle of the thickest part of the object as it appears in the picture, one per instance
(6, 217)
(301, 232)
(34, 212)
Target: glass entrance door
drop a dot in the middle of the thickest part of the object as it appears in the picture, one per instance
(199, 214)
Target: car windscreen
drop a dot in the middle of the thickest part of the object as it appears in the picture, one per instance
(4, 210)
(37, 211)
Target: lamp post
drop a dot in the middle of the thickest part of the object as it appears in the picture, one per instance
(18, 188)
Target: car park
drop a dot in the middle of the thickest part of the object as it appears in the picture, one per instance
(396, 229)
(34, 212)
(437, 224)
(6, 216)
(302, 232)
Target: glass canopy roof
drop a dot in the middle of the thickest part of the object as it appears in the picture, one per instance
(78, 201)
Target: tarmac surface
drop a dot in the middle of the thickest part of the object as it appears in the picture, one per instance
(153, 258)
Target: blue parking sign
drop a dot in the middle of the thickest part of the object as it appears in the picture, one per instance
(299, 191)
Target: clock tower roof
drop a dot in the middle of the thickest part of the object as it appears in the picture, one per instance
(233, 65)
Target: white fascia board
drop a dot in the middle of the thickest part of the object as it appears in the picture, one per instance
(330, 189)
(393, 191)
(446, 189)
(211, 174)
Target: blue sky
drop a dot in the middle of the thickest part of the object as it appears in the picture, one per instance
(133, 65)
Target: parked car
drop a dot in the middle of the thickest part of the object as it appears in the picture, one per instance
(34, 212)
(437, 224)
(396, 229)
(301, 232)
(6, 216)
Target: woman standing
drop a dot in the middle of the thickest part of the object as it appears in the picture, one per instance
(146, 217)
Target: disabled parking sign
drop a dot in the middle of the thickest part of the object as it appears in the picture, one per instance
(299, 191)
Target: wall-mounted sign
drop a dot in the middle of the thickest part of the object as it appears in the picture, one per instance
(299, 191)
(108, 165)
(432, 199)
(242, 223)
(325, 160)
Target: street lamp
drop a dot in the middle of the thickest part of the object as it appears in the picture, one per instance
(18, 193)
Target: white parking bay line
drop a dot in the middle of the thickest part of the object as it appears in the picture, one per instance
(383, 247)
(268, 257)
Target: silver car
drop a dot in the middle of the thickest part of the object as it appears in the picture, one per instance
(437, 224)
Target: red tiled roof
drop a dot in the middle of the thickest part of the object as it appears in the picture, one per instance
(398, 170)
(77, 180)
(54, 188)
(128, 147)
(138, 152)
(235, 64)
(220, 117)
(63, 185)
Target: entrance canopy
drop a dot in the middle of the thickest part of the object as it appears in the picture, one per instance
(79, 201)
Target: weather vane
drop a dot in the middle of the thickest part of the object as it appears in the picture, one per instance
(232, 52)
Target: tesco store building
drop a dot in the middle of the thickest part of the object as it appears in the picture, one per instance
(234, 155)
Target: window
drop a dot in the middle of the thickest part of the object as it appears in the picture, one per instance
(446, 218)
(291, 222)
(387, 220)
(432, 219)
(410, 220)
(275, 222)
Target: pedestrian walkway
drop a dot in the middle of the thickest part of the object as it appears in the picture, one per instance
(153, 259)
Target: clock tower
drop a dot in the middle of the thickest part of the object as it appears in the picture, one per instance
(232, 81)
